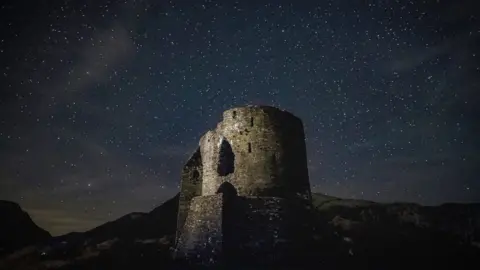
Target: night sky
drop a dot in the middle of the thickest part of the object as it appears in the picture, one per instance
(101, 102)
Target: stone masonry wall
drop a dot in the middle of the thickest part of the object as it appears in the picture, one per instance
(261, 231)
(209, 147)
(201, 240)
(269, 153)
(245, 193)
(190, 187)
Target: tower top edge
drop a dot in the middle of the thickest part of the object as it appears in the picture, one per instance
(260, 108)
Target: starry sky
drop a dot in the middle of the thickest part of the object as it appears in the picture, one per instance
(101, 102)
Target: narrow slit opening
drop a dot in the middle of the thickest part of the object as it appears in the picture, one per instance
(249, 147)
(196, 174)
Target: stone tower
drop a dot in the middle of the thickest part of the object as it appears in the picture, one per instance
(245, 193)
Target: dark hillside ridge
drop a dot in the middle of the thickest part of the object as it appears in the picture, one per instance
(17, 228)
(349, 233)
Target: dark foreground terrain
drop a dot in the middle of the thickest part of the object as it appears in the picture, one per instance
(349, 234)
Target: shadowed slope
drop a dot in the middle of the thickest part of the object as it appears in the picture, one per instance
(17, 228)
(349, 233)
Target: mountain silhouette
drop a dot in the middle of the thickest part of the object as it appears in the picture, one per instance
(348, 233)
(17, 228)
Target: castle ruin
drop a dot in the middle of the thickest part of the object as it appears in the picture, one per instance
(245, 194)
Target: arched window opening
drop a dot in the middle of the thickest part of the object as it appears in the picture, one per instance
(226, 159)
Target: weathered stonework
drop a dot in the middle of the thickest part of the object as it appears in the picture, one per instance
(191, 186)
(201, 240)
(245, 193)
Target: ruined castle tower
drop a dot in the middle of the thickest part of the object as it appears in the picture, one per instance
(245, 193)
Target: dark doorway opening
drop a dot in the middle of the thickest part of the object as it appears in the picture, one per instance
(227, 189)
(229, 220)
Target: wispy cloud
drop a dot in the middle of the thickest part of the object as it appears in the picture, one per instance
(98, 59)
(413, 59)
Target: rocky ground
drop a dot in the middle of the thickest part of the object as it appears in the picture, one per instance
(349, 233)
